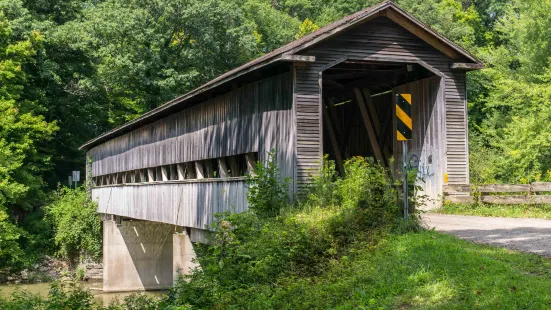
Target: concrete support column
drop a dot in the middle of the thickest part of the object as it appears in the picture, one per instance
(137, 255)
(183, 255)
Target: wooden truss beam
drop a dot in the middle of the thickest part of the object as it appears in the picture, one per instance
(369, 126)
(333, 138)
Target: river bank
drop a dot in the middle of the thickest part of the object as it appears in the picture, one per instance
(95, 286)
(49, 269)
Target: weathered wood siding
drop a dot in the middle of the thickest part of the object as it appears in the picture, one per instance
(427, 148)
(307, 106)
(258, 117)
(189, 204)
(382, 40)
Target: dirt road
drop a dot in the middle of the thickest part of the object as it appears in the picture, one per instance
(528, 235)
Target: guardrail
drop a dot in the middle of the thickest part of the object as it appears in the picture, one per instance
(534, 193)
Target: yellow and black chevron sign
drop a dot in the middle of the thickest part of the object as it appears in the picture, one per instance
(404, 125)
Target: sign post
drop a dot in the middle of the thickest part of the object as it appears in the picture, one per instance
(76, 177)
(404, 132)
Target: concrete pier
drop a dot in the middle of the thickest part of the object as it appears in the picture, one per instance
(143, 255)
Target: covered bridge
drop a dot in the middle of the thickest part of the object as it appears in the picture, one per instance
(330, 92)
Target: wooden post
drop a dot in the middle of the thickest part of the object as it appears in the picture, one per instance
(334, 141)
(133, 176)
(223, 168)
(209, 170)
(199, 170)
(334, 118)
(151, 174)
(376, 122)
(384, 133)
(141, 175)
(190, 170)
(173, 174)
(251, 163)
(164, 173)
(369, 126)
(181, 171)
(234, 168)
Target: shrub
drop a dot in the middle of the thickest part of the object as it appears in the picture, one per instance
(77, 227)
(253, 253)
(268, 193)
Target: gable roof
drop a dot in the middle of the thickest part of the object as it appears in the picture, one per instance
(387, 8)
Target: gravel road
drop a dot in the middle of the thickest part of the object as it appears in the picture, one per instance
(528, 235)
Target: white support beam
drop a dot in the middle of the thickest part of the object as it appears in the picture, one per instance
(181, 171)
(133, 174)
(151, 174)
(251, 163)
(298, 58)
(223, 168)
(164, 173)
(461, 66)
(199, 170)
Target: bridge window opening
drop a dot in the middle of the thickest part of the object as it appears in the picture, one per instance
(358, 108)
(214, 168)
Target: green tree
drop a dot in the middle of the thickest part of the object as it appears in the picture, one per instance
(77, 228)
(149, 52)
(22, 132)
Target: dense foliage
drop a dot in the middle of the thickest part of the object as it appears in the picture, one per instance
(72, 69)
(254, 252)
(77, 229)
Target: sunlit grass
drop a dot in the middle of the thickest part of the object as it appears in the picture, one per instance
(425, 270)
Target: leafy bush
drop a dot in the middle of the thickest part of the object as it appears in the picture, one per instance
(268, 193)
(77, 227)
(254, 252)
(10, 252)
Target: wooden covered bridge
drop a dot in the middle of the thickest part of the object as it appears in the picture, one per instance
(330, 92)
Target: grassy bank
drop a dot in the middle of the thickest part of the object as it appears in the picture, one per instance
(513, 211)
(424, 270)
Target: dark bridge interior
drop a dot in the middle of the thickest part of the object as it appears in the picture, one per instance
(358, 108)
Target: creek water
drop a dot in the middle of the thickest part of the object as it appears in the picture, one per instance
(42, 289)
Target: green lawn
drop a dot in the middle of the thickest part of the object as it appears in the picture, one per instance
(425, 270)
(516, 211)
